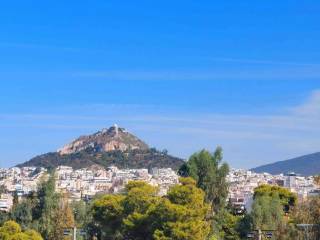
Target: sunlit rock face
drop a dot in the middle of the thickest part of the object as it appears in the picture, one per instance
(108, 139)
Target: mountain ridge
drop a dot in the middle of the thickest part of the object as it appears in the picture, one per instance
(305, 165)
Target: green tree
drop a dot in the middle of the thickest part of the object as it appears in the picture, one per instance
(141, 214)
(15, 200)
(33, 235)
(210, 174)
(22, 213)
(287, 198)
(62, 219)
(80, 212)
(308, 212)
(12, 231)
(46, 211)
(108, 214)
(225, 225)
(4, 216)
(267, 214)
(183, 214)
(11, 227)
(48, 204)
(244, 226)
(140, 198)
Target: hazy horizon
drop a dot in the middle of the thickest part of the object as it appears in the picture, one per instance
(249, 137)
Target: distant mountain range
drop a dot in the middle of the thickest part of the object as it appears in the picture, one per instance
(110, 146)
(306, 165)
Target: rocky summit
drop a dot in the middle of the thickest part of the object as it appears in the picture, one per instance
(113, 146)
(108, 139)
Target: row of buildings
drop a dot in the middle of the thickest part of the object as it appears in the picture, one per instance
(20, 181)
(243, 182)
(87, 182)
(81, 183)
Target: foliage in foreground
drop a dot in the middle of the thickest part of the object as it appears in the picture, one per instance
(287, 198)
(45, 210)
(12, 231)
(210, 175)
(308, 212)
(142, 214)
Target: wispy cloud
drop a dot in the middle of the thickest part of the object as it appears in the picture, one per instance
(265, 62)
(41, 46)
(311, 107)
(245, 73)
(274, 62)
(248, 140)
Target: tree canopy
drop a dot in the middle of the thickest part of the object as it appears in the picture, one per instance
(12, 231)
(46, 211)
(141, 214)
(210, 174)
(287, 198)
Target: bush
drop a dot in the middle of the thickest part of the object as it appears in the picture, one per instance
(12, 231)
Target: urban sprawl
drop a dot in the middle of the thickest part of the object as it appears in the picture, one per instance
(87, 182)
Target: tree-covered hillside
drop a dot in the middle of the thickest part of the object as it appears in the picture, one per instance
(129, 159)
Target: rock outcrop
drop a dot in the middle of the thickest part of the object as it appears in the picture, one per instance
(111, 139)
(112, 146)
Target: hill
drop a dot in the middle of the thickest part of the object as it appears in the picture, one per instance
(112, 146)
(305, 165)
(108, 139)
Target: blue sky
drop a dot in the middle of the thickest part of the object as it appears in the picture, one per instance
(182, 75)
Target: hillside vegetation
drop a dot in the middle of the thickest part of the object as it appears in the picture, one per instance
(130, 159)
